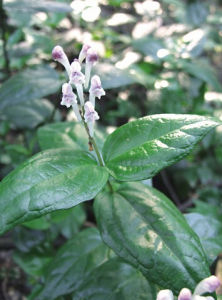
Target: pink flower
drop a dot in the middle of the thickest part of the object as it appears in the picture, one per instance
(96, 90)
(91, 59)
(165, 295)
(90, 114)
(83, 52)
(185, 294)
(76, 76)
(68, 98)
(59, 55)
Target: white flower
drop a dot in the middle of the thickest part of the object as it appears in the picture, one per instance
(207, 285)
(59, 55)
(77, 78)
(91, 59)
(69, 99)
(96, 90)
(90, 116)
(83, 52)
(165, 295)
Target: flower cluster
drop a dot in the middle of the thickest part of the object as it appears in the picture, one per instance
(80, 81)
(207, 285)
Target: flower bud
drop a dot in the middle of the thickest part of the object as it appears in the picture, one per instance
(207, 285)
(83, 52)
(185, 294)
(165, 295)
(96, 89)
(59, 55)
(91, 59)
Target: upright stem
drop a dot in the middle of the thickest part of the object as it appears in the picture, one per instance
(3, 18)
(98, 154)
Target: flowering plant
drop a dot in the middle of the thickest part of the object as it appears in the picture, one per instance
(136, 221)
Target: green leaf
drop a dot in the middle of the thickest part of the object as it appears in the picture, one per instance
(140, 149)
(144, 228)
(112, 77)
(51, 180)
(73, 262)
(28, 85)
(209, 230)
(30, 114)
(115, 280)
(66, 134)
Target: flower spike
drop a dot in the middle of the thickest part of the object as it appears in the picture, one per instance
(59, 55)
(96, 90)
(91, 59)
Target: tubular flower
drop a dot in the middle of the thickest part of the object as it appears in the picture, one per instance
(90, 116)
(83, 52)
(59, 55)
(207, 285)
(165, 295)
(91, 59)
(69, 99)
(77, 78)
(96, 90)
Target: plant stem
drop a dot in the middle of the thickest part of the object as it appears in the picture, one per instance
(95, 147)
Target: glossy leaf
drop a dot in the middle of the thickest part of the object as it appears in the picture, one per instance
(140, 149)
(51, 180)
(66, 134)
(115, 280)
(28, 85)
(209, 230)
(73, 262)
(144, 228)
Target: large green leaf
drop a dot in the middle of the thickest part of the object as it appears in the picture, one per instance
(73, 262)
(144, 228)
(28, 85)
(209, 230)
(140, 149)
(51, 180)
(115, 280)
(66, 134)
